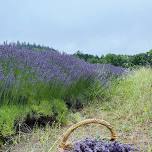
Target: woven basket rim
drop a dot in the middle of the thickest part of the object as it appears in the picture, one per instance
(63, 144)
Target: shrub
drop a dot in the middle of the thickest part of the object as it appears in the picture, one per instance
(8, 116)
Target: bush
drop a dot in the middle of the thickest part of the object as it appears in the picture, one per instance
(11, 116)
(8, 116)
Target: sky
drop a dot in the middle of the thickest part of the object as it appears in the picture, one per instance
(91, 26)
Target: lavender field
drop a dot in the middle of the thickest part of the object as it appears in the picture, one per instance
(39, 86)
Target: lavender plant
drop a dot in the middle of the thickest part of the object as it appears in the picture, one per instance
(48, 65)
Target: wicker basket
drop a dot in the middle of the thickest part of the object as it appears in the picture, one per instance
(64, 146)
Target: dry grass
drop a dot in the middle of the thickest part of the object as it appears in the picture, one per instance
(48, 139)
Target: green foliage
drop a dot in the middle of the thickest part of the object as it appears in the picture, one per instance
(78, 87)
(141, 59)
(35, 47)
(55, 108)
(44, 108)
(95, 92)
(60, 110)
(8, 116)
(12, 114)
(83, 92)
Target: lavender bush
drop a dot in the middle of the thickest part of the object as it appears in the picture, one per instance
(48, 65)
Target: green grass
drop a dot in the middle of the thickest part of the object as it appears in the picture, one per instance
(134, 94)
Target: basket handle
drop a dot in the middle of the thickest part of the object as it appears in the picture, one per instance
(63, 146)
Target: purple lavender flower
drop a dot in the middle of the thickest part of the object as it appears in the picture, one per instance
(93, 145)
(48, 65)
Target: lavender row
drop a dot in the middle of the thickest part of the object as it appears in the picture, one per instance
(51, 65)
(48, 65)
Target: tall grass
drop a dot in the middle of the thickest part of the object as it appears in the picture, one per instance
(132, 95)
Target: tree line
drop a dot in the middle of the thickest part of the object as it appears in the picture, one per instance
(28, 46)
(141, 59)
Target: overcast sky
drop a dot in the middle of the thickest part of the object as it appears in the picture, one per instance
(92, 26)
